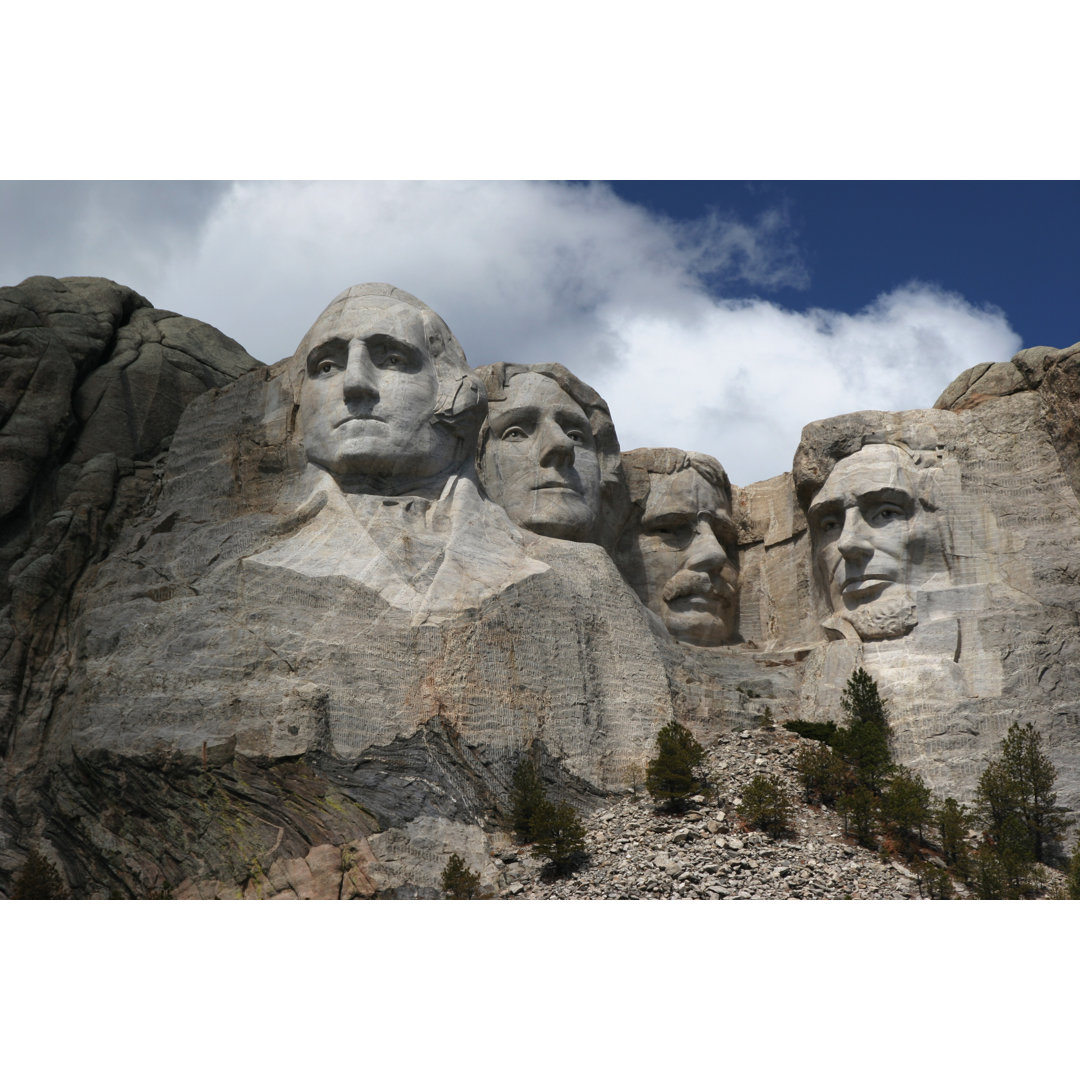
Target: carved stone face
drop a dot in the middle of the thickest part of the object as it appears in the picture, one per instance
(687, 545)
(370, 392)
(870, 540)
(540, 462)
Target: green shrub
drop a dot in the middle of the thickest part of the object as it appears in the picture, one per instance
(39, 880)
(458, 881)
(818, 732)
(673, 776)
(765, 806)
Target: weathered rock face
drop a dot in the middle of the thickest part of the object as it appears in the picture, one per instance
(265, 634)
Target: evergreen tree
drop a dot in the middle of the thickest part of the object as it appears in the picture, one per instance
(765, 806)
(1016, 801)
(952, 821)
(458, 881)
(39, 880)
(907, 805)
(859, 808)
(823, 774)
(674, 774)
(527, 794)
(865, 741)
(1072, 878)
(560, 836)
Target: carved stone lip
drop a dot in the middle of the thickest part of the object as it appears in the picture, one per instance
(558, 485)
(711, 597)
(854, 586)
(348, 419)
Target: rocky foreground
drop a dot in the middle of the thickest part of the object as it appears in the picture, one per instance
(638, 853)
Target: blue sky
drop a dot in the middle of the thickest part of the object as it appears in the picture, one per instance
(1012, 244)
(713, 316)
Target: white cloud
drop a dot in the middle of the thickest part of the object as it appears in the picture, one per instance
(742, 380)
(529, 272)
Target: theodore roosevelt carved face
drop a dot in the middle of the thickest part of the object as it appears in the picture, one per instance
(874, 540)
(681, 556)
(388, 400)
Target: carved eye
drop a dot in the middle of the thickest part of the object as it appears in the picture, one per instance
(394, 360)
(513, 434)
(674, 535)
(576, 436)
(829, 524)
(326, 367)
(887, 513)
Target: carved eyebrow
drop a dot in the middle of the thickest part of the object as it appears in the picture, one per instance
(518, 414)
(668, 520)
(330, 347)
(887, 494)
(388, 341)
(823, 509)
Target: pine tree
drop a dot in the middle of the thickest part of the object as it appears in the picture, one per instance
(39, 880)
(865, 742)
(673, 775)
(1016, 801)
(1072, 878)
(907, 805)
(859, 808)
(952, 821)
(765, 806)
(560, 836)
(823, 774)
(527, 793)
(458, 881)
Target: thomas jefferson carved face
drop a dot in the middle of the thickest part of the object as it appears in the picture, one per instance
(870, 535)
(370, 393)
(687, 547)
(540, 461)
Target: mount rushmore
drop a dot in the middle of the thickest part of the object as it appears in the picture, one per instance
(287, 630)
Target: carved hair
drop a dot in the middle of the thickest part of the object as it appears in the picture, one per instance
(639, 465)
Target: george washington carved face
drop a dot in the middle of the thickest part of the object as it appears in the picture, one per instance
(372, 405)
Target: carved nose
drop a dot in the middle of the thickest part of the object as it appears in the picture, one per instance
(360, 375)
(556, 447)
(705, 551)
(854, 539)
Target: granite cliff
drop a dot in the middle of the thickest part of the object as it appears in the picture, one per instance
(286, 630)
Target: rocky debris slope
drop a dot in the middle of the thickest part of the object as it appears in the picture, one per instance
(639, 853)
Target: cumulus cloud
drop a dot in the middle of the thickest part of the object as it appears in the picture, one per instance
(740, 381)
(528, 272)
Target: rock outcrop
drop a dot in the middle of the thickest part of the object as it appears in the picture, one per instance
(248, 650)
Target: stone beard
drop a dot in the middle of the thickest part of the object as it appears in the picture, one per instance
(682, 555)
(874, 541)
(539, 456)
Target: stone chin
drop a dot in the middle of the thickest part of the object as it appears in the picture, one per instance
(561, 514)
(695, 623)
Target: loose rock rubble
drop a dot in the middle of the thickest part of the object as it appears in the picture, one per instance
(638, 853)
